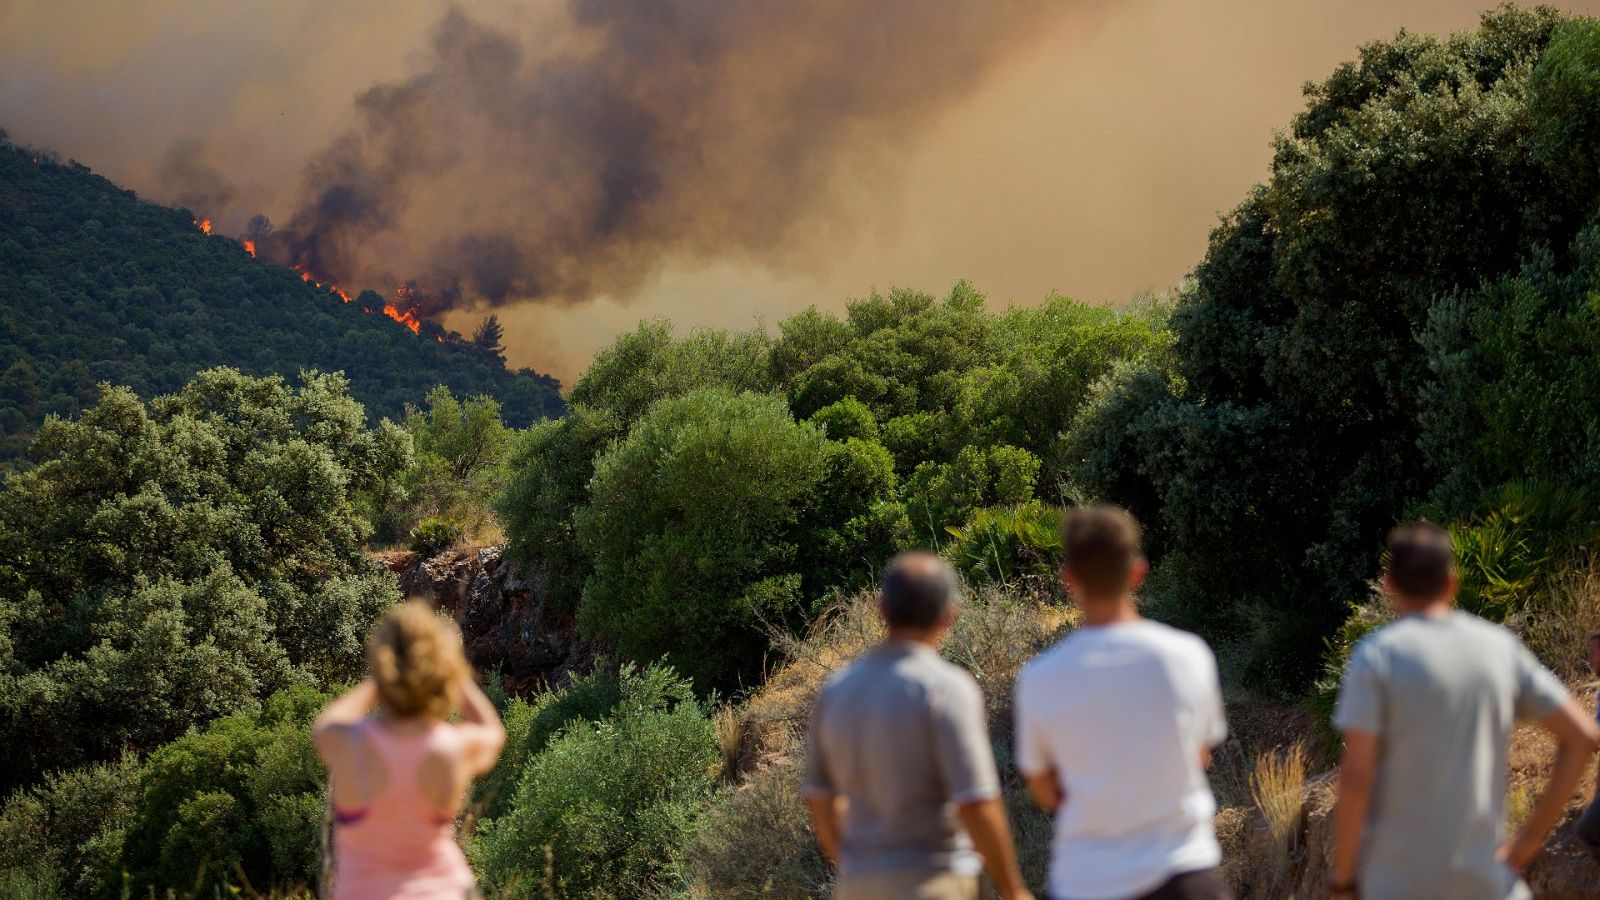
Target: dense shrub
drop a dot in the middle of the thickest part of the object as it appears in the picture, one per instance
(607, 804)
(66, 831)
(531, 725)
(245, 794)
(1287, 442)
(549, 483)
(461, 448)
(1009, 544)
(172, 562)
(434, 535)
(692, 526)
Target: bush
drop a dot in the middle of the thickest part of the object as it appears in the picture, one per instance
(65, 833)
(1007, 544)
(756, 841)
(607, 805)
(847, 418)
(176, 561)
(1530, 534)
(693, 526)
(434, 536)
(530, 726)
(1287, 443)
(461, 448)
(246, 794)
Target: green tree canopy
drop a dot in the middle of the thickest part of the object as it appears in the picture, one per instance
(169, 562)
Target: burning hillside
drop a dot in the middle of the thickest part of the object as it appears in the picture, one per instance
(402, 309)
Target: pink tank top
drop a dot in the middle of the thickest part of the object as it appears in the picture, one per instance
(399, 845)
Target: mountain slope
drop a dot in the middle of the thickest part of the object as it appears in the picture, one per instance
(96, 285)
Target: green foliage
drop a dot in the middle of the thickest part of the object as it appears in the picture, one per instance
(1528, 536)
(172, 562)
(96, 286)
(847, 418)
(1007, 544)
(530, 726)
(941, 494)
(460, 463)
(68, 829)
(549, 483)
(692, 527)
(434, 535)
(648, 365)
(611, 802)
(245, 792)
(1284, 443)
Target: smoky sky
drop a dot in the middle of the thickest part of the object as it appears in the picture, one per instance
(670, 129)
(577, 166)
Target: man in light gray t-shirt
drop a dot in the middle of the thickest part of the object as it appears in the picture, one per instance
(899, 775)
(1426, 710)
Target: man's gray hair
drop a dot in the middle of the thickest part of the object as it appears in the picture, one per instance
(918, 590)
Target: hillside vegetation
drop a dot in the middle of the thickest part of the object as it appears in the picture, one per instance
(98, 286)
(1403, 320)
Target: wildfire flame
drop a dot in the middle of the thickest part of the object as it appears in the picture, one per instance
(205, 225)
(404, 296)
(249, 247)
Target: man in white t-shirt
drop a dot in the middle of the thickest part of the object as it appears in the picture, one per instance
(1115, 726)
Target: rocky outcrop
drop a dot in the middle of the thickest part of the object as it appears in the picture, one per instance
(507, 620)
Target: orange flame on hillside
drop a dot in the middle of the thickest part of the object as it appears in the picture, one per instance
(205, 225)
(401, 310)
(249, 247)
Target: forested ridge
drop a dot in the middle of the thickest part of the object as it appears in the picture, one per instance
(1403, 320)
(98, 286)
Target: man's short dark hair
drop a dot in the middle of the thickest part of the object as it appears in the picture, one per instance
(1099, 545)
(918, 590)
(1421, 560)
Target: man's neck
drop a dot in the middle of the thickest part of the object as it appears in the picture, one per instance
(1428, 609)
(1109, 611)
(929, 639)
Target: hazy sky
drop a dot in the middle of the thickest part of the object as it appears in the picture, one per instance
(1092, 161)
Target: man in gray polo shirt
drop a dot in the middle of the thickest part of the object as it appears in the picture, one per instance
(900, 778)
(1426, 711)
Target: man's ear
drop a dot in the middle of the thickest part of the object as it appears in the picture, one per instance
(1137, 573)
(1452, 584)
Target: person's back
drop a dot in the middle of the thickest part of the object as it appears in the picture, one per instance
(397, 771)
(1122, 715)
(1444, 692)
(1114, 725)
(880, 724)
(1426, 711)
(900, 780)
(401, 842)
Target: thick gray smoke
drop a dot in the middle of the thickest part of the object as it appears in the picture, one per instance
(191, 181)
(561, 168)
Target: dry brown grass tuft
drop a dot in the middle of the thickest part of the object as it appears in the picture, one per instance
(1277, 787)
(756, 842)
(1557, 627)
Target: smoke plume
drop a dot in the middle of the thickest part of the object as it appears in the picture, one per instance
(562, 166)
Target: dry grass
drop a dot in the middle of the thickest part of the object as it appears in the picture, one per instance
(1277, 788)
(756, 840)
(1557, 627)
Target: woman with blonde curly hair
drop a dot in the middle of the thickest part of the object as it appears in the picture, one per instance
(398, 770)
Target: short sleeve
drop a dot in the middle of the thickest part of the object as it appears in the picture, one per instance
(1214, 726)
(1539, 691)
(817, 781)
(1360, 706)
(1032, 750)
(961, 744)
